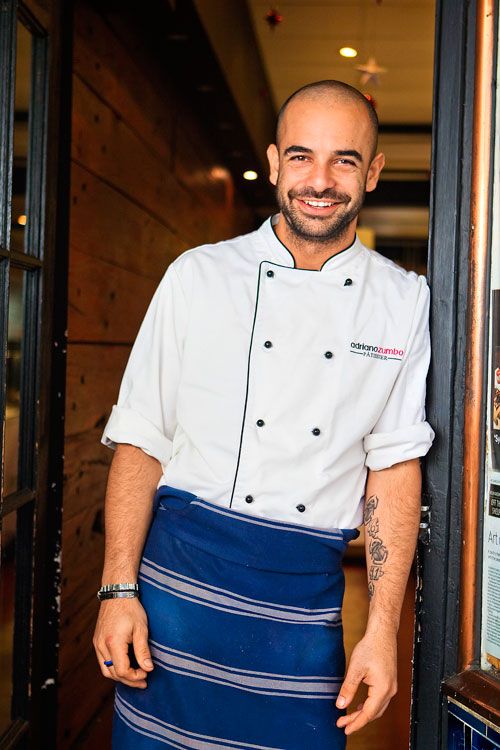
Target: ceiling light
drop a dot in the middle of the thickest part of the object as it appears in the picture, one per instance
(219, 173)
(22, 220)
(348, 52)
(250, 175)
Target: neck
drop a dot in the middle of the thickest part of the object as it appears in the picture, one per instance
(310, 255)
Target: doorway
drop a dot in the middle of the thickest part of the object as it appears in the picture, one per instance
(385, 49)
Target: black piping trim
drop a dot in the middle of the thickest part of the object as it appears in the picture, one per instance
(248, 385)
(323, 264)
(339, 252)
(288, 251)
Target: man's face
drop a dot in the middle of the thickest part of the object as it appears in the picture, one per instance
(322, 167)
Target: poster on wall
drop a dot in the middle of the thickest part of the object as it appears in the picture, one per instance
(492, 576)
(495, 381)
(491, 571)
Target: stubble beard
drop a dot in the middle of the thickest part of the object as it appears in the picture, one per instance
(318, 229)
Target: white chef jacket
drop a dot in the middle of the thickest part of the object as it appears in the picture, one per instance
(270, 389)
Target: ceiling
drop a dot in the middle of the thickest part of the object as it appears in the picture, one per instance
(304, 47)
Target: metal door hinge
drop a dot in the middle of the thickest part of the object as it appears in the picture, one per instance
(424, 534)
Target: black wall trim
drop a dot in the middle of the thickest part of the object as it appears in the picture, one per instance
(439, 560)
(399, 193)
(406, 128)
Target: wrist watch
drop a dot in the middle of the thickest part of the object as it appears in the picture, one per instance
(118, 591)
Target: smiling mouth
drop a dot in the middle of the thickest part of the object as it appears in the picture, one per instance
(318, 204)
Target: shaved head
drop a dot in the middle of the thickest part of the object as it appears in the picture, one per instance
(332, 93)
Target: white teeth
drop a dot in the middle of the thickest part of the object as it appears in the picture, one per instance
(318, 204)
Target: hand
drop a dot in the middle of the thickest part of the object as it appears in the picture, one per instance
(122, 622)
(374, 662)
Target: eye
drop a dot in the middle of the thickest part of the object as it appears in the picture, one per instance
(346, 162)
(298, 157)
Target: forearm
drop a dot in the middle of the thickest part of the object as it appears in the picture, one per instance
(392, 512)
(391, 518)
(132, 481)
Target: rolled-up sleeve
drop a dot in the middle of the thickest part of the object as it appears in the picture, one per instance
(145, 414)
(401, 432)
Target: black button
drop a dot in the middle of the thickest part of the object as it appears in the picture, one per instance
(348, 282)
(328, 355)
(249, 499)
(268, 344)
(260, 423)
(316, 431)
(301, 508)
(270, 274)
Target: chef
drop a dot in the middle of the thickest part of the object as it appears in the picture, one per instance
(272, 403)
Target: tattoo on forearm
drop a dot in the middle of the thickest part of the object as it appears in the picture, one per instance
(377, 550)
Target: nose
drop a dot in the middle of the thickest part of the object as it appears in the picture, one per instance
(321, 177)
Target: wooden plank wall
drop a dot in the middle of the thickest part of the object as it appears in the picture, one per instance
(141, 192)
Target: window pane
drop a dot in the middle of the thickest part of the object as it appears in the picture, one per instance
(21, 136)
(14, 355)
(7, 579)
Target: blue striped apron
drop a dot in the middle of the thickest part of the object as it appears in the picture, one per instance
(245, 631)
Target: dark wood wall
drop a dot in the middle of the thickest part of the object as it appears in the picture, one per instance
(142, 191)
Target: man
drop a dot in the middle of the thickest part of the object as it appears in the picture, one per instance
(275, 395)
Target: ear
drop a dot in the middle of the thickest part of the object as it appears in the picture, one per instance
(274, 163)
(374, 171)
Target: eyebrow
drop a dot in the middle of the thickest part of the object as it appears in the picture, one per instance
(350, 152)
(304, 150)
(298, 150)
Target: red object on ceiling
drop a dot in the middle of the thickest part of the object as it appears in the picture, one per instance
(370, 98)
(273, 18)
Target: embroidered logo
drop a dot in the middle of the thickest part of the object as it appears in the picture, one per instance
(376, 351)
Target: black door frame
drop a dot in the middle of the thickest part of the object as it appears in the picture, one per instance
(439, 553)
(37, 621)
(54, 316)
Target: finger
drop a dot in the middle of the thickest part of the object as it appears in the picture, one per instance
(369, 712)
(141, 684)
(344, 721)
(348, 688)
(357, 720)
(347, 718)
(118, 650)
(141, 648)
(360, 721)
(109, 672)
(101, 658)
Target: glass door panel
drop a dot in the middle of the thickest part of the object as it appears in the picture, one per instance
(7, 606)
(13, 375)
(22, 99)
